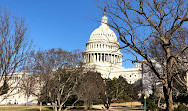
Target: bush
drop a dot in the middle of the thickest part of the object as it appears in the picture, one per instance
(151, 103)
(181, 107)
(127, 98)
(182, 98)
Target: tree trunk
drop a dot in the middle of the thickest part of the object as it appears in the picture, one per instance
(75, 102)
(168, 98)
(40, 106)
(86, 105)
(60, 107)
(107, 104)
(167, 88)
(159, 101)
(55, 106)
(27, 101)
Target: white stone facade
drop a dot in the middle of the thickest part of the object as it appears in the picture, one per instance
(102, 54)
(16, 93)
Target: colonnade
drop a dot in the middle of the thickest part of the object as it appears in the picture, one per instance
(102, 57)
(98, 45)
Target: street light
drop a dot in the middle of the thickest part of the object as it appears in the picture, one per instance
(131, 104)
(144, 103)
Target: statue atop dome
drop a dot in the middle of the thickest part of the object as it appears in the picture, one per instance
(104, 13)
(104, 19)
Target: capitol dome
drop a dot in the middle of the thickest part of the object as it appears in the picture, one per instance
(103, 54)
(103, 33)
(102, 49)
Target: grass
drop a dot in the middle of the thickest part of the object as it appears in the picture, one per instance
(126, 106)
(34, 108)
(23, 108)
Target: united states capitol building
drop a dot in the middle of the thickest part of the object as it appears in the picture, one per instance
(103, 55)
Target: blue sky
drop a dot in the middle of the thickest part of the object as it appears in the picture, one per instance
(65, 24)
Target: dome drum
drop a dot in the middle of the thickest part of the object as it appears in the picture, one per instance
(93, 57)
(102, 46)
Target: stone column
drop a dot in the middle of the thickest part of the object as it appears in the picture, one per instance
(90, 57)
(120, 61)
(111, 59)
(83, 58)
(105, 56)
(97, 57)
(115, 59)
(94, 58)
(86, 58)
(108, 57)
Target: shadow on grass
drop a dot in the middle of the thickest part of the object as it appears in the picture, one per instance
(133, 108)
(120, 106)
(72, 109)
(37, 110)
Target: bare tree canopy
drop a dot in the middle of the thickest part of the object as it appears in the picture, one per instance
(59, 71)
(15, 46)
(140, 21)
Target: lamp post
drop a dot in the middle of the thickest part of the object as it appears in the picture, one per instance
(144, 103)
(131, 104)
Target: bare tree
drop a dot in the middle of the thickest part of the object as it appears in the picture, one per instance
(15, 46)
(59, 71)
(29, 85)
(139, 21)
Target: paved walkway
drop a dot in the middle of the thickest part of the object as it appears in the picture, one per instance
(136, 106)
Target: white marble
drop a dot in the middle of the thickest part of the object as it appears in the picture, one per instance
(102, 54)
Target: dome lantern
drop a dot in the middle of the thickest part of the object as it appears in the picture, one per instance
(104, 19)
